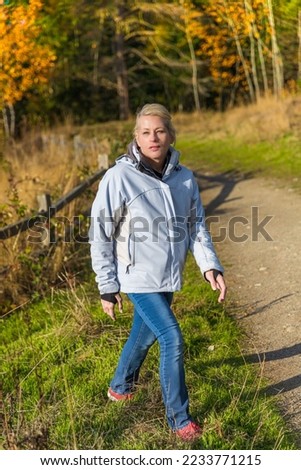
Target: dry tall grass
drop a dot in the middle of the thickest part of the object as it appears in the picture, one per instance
(268, 119)
(48, 162)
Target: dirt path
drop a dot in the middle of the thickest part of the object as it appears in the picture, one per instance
(261, 254)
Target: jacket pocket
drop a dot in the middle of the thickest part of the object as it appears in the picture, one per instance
(131, 252)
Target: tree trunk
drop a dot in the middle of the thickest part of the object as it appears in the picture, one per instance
(299, 51)
(255, 34)
(194, 77)
(242, 58)
(9, 120)
(95, 65)
(120, 65)
(5, 121)
(249, 9)
(12, 127)
(277, 63)
(263, 67)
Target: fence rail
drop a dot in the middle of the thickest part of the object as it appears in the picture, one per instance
(26, 223)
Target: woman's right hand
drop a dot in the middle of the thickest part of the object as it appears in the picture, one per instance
(109, 307)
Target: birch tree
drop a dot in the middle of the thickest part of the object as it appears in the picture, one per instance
(277, 63)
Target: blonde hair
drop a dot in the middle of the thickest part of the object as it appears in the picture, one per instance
(156, 109)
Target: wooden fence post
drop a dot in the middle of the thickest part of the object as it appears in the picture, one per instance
(103, 161)
(44, 201)
(78, 149)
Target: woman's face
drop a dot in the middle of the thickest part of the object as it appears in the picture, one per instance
(153, 139)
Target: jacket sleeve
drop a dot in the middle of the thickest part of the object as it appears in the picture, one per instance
(200, 239)
(106, 213)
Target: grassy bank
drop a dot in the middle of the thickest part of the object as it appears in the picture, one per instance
(58, 355)
(263, 139)
(280, 159)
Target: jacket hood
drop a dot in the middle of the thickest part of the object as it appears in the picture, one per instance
(134, 157)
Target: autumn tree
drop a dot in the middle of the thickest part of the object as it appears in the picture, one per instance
(170, 47)
(93, 41)
(24, 62)
(238, 41)
(288, 26)
(153, 37)
(119, 13)
(152, 51)
(224, 35)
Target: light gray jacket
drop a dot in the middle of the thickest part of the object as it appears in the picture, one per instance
(142, 227)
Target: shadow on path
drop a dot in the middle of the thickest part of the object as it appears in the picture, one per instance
(225, 181)
(284, 386)
(254, 308)
(275, 355)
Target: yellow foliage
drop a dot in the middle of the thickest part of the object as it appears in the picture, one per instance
(24, 62)
(224, 25)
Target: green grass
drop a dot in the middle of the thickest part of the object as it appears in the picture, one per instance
(279, 159)
(57, 358)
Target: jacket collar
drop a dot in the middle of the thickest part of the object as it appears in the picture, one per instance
(134, 156)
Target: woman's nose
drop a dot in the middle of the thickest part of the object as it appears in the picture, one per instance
(154, 136)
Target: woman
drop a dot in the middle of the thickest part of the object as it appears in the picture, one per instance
(146, 215)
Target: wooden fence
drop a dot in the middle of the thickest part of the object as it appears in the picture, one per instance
(47, 209)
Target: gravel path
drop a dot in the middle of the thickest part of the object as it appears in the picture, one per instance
(256, 226)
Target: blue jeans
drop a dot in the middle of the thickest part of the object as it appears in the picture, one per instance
(154, 320)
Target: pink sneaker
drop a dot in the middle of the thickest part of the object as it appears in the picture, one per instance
(113, 396)
(191, 432)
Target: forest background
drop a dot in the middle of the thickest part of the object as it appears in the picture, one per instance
(99, 61)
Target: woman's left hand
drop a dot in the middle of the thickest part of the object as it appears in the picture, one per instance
(217, 282)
